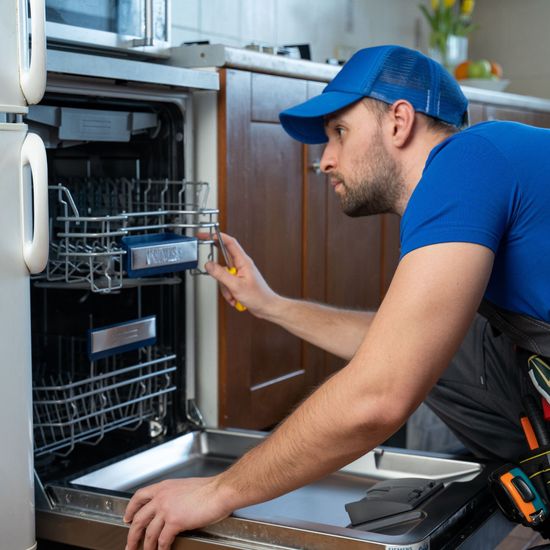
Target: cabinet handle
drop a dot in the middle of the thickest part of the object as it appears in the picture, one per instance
(315, 166)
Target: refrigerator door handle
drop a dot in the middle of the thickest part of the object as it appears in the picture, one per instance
(33, 78)
(35, 250)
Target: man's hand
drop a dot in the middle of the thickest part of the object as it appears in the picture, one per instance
(248, 286)
(159, 512)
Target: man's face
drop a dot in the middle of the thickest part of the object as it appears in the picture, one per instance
(363, 173)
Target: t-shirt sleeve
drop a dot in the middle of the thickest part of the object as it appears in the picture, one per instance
(467, 193)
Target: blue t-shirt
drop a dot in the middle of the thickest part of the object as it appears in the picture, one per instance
(490, 185)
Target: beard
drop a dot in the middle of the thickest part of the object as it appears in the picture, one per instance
(375, 187)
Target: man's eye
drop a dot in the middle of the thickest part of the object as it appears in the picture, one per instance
(339, 131)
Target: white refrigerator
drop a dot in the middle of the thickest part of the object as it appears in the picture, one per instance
(23, 251)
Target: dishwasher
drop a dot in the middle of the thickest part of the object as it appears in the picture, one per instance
(114, 367)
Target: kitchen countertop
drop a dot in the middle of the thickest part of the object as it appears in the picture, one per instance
(100, 66)
(218, 55)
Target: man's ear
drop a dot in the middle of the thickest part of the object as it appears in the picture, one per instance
(403, 119)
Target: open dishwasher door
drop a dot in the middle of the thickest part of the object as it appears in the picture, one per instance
(86, 510)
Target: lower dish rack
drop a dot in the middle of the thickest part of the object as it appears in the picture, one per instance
(82, 399)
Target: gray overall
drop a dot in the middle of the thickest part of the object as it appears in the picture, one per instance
(479, 395)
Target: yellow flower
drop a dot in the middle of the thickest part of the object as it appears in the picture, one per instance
(449, 3)
(467, 7)
(435, 5)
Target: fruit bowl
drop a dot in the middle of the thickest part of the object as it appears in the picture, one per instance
(496, 85)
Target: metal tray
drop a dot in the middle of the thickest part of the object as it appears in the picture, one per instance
(311, 517)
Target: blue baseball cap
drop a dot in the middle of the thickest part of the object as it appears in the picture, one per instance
(386, 73)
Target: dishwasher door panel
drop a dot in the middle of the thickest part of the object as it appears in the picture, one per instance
(313, 516)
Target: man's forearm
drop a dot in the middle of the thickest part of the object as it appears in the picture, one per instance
(336, 425)
(417, 330)
(337, 331)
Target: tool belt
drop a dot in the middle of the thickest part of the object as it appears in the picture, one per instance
(522, 490)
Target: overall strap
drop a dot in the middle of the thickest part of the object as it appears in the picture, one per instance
(524, 331)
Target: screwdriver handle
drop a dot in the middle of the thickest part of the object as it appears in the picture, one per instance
(238, 305)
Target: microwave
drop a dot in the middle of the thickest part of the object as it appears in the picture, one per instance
(140, 27)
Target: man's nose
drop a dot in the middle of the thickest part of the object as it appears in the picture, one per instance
(328, 161)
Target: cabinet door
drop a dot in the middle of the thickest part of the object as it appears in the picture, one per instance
(261, 202)
(275, 200)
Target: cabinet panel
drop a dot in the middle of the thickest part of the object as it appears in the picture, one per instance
(261, 201)
(274, 399)
(353, 258)
(476, 113)
(525, 116)
(273, 204)
(272, 94)
(233, 122)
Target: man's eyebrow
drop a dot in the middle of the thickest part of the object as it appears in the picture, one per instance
(332, 118)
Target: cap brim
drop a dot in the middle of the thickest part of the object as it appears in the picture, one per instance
(306, 122)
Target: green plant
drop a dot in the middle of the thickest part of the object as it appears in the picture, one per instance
(447, 18)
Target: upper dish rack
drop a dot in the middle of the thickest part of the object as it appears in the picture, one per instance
(90, 217)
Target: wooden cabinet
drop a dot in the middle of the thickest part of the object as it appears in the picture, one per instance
(476, 112)
(526, 116)
(261, 201)
(479, 112)
(275, 200)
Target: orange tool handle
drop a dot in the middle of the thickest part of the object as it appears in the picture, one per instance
(529, 433)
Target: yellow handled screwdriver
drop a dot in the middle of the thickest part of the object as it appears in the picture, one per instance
(229, 265)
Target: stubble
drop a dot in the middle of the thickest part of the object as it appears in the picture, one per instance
(376, 185)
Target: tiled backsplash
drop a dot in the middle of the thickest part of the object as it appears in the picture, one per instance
(333, 28)
(511, 32)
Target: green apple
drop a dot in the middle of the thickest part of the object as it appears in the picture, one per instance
(479, 69)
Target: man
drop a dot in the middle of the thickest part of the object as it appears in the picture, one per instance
(475, 224)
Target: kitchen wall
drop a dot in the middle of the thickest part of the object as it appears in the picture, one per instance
(333, 28)
(515, 33)
(511, 32)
